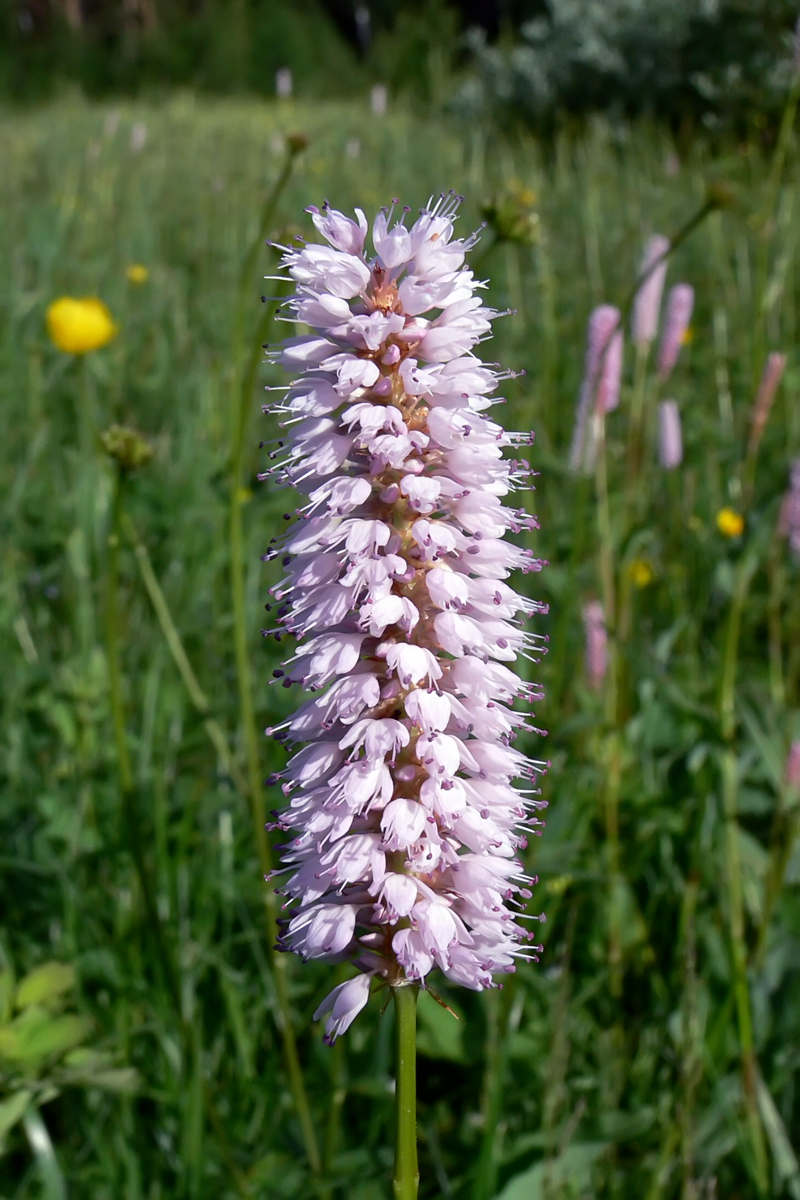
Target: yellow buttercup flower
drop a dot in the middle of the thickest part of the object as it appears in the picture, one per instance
(641, 572)
(137, 273)
(730, 523)
(80, 326)
(688, 336)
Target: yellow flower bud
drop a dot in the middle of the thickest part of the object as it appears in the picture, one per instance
(137, 273)
(79, 326)
(641, 572)
(730, 523)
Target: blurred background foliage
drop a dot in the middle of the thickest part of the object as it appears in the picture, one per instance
(720, 64)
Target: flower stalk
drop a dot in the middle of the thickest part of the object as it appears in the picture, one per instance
(729, 780)
(247, 359)
(405, 1182)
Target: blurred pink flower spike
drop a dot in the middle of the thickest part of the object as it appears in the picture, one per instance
(789, 520)
(770, 381)
(596, 644)
(670, 441)
(647, 302)
(602, 373)
(680, 304)
(401, 787)
(793, 765)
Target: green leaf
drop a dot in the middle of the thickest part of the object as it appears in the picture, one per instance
(12, 1109)
(36, 1035)
(55, 1187)
(45, 983)
(565, 1176)
(238, 1024)
(440, 1034)
(58, 1035)
(784, 1157)
(770, 747)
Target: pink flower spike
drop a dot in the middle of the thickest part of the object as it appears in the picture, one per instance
(793, 765)
(596, 644)
(670, 441)
(647, 302)
(402, 786)
(789, 519)
(601, 380)
(770, 381)
(680, 304)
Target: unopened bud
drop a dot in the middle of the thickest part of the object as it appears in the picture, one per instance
(127, 446)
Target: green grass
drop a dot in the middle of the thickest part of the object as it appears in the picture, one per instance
(615, 1068)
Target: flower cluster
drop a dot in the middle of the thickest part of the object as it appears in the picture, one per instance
(407, 820)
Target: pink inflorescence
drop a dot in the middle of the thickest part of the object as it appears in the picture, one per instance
(789, 522)
(602, 373)
(670, 438)
(793, 765)
(402, 796)
(680, 304)
(647, 302)
(594, 623)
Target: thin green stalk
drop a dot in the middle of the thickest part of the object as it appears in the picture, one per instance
(486, 1171)
(333, 1130)
(405, 1181)
(734, 871)
(130, 807)
(82, 555)
(113, 643)
(197, 696)
(613, 748)
(255, 791)
(782, 839)
(126, 777)
(242, 401)
(765, 222)
(295, 144)
(782, 145)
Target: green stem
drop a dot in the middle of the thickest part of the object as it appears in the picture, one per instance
(113, 643)
(267, 214)
(491, 1103)
(130, 807)
(406, 1169)
(734, 870)
(258, 812)
(613, 764)
(782, 839)
(85, 513)
(126, 778)
(173, 639)
(247, 713)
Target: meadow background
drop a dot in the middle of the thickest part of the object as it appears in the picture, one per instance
(655, 1050)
